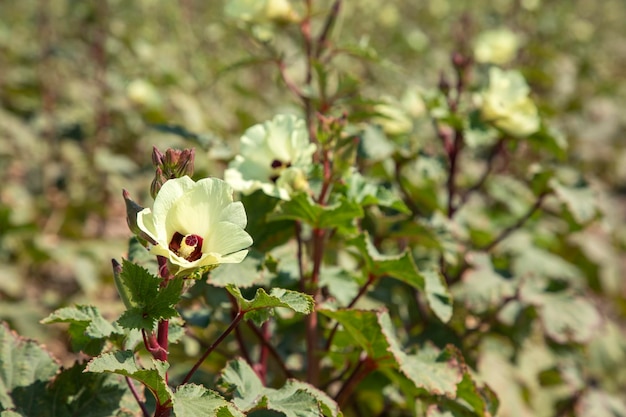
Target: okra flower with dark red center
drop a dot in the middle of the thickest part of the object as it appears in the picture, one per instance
(196, 225)
(274, 156)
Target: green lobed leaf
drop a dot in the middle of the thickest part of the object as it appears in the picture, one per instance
(566, 317)
(364, 328)
(482, 288)
(244, 384)
(25, 367)
(292, 402)
(437, 295)
(123, 363)
(374, 144)
(294, 399)
(191, 400)
(530, 259)
(479, 397)
(436, 372)
(88, 328)
(76, 393)
(580, 200)
(328, 406)
(258, 309)
(402, 267)
(341, 284)
(302, 207)
(150, 303)
(366, 192)
(141, 284)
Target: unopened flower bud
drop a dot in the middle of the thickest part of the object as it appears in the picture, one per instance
(460, 61)
(185, 163)
(157, 182)
(132, 209)
(121, 288)
(174, 163)
(178, 163)
(157, 157)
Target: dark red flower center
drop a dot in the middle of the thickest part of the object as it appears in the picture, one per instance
(187, 246)
(277, 167)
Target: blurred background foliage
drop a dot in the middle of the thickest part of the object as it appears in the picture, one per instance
(88, 87)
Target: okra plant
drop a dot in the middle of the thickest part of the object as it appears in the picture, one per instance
(358, 256)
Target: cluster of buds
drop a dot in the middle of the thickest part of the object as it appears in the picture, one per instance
(174, 163)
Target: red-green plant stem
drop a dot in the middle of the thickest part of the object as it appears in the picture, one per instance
(272, 351)
(243, 350)
(300, 255)
(328, 26)
(370, 280)
(162, 337)
(220, 339)
(133, 390)
(263, 355)
(519, 223)
(163, 410)
(453, 158)
(163, 326)
(365, 366)
(312, 339)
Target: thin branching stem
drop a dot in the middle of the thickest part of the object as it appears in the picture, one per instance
(140, 403)
(261, 367)
(370, 280)
(363, 368)
(215, 344)
(518, 224)
(271, 349)
(238, 336)
(328, 27)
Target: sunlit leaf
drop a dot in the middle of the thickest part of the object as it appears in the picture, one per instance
(301, 207)
(124, 363)
(259, 308)
(482, 288)
(192, 400)
(25, 369)
(88, 328)
(580, 200)
(294, 399)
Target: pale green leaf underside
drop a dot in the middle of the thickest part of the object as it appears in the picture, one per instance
(294, 399)
(23, 363)
(123, 363)
(97, 326)
(191, 400)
